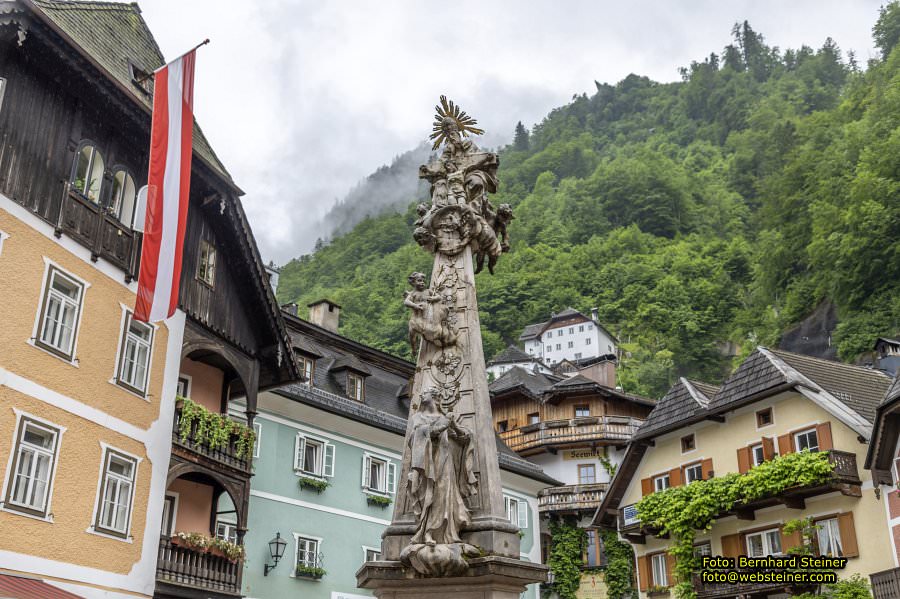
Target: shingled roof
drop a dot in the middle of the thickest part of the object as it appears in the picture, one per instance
(511, 354)
(684, 401)
(530, 383)
(532, 330)
(112, 34)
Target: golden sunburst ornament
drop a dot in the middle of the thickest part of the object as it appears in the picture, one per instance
(446, 113)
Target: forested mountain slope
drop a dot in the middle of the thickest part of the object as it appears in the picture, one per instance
(723, 207)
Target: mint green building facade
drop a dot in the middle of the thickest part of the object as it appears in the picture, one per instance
(310, 436)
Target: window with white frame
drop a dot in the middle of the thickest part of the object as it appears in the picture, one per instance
(60, 313)
(587, 341)
(307, 552)
(257, 429)
(184, 386)
(34, 456)
(227, 531)
(87, 174)
(379, 475)
(116, 493)
(807, 439)
(356, 386)
(661, 483)
(582, 411)
(516, 511)
(314, 457)
(587, 474)
(307, 366)
(693, 472)
(829, 538)
(372, 555)
(206, 266)
(658, 570)
(549, 348)
(571, 344)
(571, 330)
(124, 197)
(559, 346)
(763, 543)
(757, 454)
(134, 355)
(581, 328)
(703, 549)
(170, 510)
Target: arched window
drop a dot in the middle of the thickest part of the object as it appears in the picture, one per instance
(124, 194)
(88, 176)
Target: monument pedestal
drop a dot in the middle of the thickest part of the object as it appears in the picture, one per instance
(490, 577)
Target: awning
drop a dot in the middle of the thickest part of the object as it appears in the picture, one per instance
(17, 587)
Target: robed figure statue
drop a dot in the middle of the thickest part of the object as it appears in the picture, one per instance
(441, 477)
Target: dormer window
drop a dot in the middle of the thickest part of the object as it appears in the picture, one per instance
(356, 386)
(140, 78)
(87, 176)
(307, 368)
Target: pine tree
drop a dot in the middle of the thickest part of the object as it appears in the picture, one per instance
(521, 139)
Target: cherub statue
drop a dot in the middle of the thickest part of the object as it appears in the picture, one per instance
(429, 315)
(491, 237)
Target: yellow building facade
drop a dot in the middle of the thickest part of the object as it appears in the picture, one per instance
(703, 432)
(85, 440)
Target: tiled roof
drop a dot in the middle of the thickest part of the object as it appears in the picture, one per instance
(112, 33)
(577, 380)
(860, 388)
(349, 362)
(535, 383)
(511, 354)
(893, 392)
(755, 374)
(684, 401)
(531, 331)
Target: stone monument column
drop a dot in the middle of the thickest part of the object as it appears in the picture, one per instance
(449, 530)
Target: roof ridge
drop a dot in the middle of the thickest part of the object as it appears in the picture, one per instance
(91, 5)
(829, 362)
(791, 374)
(695, 393)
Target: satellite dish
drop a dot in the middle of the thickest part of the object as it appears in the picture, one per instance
(140, 210)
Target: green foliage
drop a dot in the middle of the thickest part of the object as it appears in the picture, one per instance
(807, 529)
(379, 500)
(619, 565)
(854, 587)
(683, 510)
(310, 571)
(316, 484)
(722, 208)
(568, 545)
(216, 431)
(205, 543)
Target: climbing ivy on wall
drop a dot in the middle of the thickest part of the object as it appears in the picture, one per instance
(214, 430)
(619, 565)
(683, 510)
(566, 558)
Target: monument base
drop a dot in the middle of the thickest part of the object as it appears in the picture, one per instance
(490, 577)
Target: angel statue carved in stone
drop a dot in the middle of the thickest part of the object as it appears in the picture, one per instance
(429, 315)
(441, 476)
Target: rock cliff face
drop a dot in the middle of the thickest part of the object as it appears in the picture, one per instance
(812, 336)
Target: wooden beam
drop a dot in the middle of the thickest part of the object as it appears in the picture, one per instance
(745, 514)
(794, 503)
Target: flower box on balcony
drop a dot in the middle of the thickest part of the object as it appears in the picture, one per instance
(312, 572)
(198, 426)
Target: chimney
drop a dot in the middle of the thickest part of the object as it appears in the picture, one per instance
(326, 314)
(272, 272)
(290, 308)
(595, 314)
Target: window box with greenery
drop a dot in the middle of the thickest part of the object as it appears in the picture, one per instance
(205, 544)
(381, 501)
(658, 591)
(315, 484)
(313, 572)
(213, 430)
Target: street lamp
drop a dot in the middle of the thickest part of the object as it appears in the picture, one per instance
(276, 550)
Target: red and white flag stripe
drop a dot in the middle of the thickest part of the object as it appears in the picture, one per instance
(168, 189)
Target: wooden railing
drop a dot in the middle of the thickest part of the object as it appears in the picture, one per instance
(571, 497)
(886, 584)
(554, 432)
(845, 470)
(189, 567)
(93, 226)
(225, 455)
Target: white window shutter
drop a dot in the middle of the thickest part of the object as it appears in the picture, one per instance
(523, 514)
(328, 469)
(365, 470)
(392, 477)
(506, 501)
(299, 450)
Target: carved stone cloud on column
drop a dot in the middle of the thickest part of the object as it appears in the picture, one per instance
(449, 521)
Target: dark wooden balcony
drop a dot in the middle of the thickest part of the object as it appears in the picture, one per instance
(844, 479)
(534, 437)
(886, 584)
(571, 498)
(92, 226)
(226, 455)
(186, 572)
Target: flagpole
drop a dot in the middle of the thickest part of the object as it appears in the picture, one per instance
(145, 77)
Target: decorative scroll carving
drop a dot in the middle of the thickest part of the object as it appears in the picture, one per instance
(441, 477)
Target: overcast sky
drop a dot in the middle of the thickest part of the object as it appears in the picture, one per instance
(303, 98)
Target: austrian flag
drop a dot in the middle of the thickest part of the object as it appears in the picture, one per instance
(168, 188)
